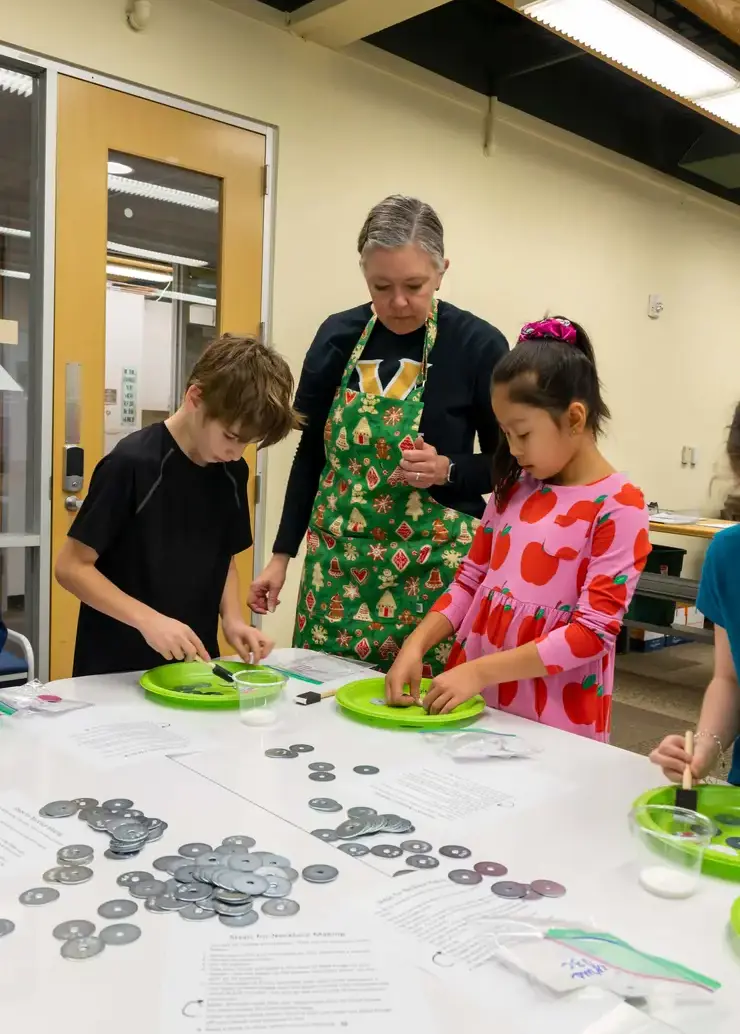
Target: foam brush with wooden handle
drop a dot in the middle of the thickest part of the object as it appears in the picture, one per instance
(686, 795)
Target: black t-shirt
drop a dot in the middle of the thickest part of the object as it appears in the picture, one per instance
(165, 530)
(457, 403)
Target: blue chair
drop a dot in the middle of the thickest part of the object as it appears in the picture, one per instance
(16, 670)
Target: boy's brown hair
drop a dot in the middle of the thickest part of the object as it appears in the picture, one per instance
(248, 387)
(733, 443)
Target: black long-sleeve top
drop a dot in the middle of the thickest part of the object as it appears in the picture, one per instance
(457, 403)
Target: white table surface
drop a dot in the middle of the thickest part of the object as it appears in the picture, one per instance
(577, 836)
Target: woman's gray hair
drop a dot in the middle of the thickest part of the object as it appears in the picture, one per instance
(397, 221)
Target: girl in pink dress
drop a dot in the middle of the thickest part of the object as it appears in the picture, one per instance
(538, 603)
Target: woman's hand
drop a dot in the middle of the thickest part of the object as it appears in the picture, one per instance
(423, 466)
(264, 592)
(452, 688)
(671, 756)
(251, 644)
(405, 671)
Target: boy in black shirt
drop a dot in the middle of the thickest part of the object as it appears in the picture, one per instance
(150, 554)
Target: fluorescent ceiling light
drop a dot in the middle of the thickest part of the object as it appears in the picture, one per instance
(16, 82)
(137, 188)
(637, 44)
(155, 256)
(179, 296)
(725, 106)
(118, 169)
(9, 231)
(7, 383)
(134, 273)
(15, 274)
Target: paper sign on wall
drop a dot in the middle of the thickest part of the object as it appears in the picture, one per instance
(8, 332)
(128, 395)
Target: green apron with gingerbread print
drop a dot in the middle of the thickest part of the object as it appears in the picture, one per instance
(379, 551)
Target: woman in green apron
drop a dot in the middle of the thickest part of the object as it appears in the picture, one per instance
(386, 484)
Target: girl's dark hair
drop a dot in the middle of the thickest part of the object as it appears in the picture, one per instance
(549, 373)
(733, 443)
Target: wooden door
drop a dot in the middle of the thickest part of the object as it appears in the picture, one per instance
(155, 207)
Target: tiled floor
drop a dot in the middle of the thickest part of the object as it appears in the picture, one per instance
(658, 693)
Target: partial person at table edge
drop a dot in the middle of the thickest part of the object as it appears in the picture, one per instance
(718, 727)
(385, 480)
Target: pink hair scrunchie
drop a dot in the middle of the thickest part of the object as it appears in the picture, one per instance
(553, 329)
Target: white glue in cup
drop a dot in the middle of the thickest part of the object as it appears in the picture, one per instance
(670, 845)
(261, 696)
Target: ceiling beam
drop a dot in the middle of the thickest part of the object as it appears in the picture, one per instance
(337, 23)
(722, 15)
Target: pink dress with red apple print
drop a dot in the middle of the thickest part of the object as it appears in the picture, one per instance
(557, 566)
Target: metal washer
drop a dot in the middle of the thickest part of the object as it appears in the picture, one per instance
(249, 884)
(281, 907)
(548, 888)
(422, 861)
(85, 802)
(321, 766)
(728, 819)
(733, 842)
(246, 920)
(120, 933)
(467, 877)
(322, 777)
(361, 813)
(167, 861)
(72, 929)
(119, 908)
(195, 850)
(509, 889)
(455, 851)
(82, 948)
(6, 927)
(320, 873)
(329, 835)
(416, 846)
(386, 851)
(59, 809)
(239, 841)
(325, 804)
(404, 872)
(366, 770)
(118, 804)
(75, 853)
(490, 868)
(128, 879)
(280, 752)
(301, 748)
(38, 896)
(147, 889)
(194, 913)
(52, 875)
(354, 850)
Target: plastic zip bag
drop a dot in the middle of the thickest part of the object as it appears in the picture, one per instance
(480, 744)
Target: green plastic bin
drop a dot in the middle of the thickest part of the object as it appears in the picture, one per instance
(662, 560)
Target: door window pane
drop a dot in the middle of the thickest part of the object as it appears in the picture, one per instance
(161, 301)
(18, 373)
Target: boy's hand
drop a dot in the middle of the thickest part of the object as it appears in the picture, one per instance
(174, 640)
(251, 644)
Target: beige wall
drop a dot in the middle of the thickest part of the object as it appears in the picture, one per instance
(546, 222)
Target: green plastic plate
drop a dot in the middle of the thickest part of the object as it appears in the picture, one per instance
(735, 921)
(717, 803)
(193, 684)
(363, 700)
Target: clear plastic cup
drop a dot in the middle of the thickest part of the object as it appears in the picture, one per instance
(261, 695)
(670, 846)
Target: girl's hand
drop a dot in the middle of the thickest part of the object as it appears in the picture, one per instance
(671, 756)
(405, 671)
(453, 688)
(264, 592)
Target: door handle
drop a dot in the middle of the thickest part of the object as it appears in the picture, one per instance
(72, 503)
